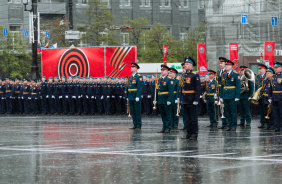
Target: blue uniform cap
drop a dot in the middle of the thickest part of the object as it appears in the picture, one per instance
(269, 69)
(44, 77)
(189, 59)
(50, 77)
(63, 77)
(57, 78)
(277, 64)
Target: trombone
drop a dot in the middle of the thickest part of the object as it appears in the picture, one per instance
(181, 82)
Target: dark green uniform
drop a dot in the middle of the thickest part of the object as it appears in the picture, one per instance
(259, 83)
(244, 105)
(133, 91)
(175, 119)
(212, 107)
(231, 89)
(165, 90)
(219, 75)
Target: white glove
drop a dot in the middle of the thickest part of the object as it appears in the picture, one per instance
(47, 96)
(79, 97)
(201, 96)
(176, 101)
(216, 102)
(19, 97)
(249, 98)
(215, 96)
(269, 100)
(126, 99)
(137, 99)
(168, 103)
(35, 98)
(53, 96)
(141, 96)
(3, 98)
(237, 99)
(73, 96)
(60, 97)
(92, 97)
(154, 102)
(67, 96)
(149, 96)
(29, 98)
(113, 96)
(195, 103)
(40, 97)
(108, 96)
(86, 96)
(95, 97)
(11, 97)
(221, 99)
(102, 97)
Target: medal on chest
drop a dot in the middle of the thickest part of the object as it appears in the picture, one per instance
(232, 79)
(188, 80)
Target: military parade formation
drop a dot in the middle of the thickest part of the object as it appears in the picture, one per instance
(219, 94)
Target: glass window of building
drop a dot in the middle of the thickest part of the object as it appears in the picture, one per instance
(125, 2)
(165, 3)
(184, 3)
(144, 3)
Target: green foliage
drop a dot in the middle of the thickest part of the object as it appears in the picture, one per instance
(15, 61)
(100, 21)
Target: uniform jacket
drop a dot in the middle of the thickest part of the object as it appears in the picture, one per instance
(231, 86)
(134, 87)
(190, 92)
(276, 91)
(165, 90)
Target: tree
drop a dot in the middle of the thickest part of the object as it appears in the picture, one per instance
(136, 29)
(100, 21)
(57, 28)
(155, 39)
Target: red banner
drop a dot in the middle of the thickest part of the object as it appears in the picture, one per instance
(89, 62)
(233, 51)
(269, 48)
(202, 59)
(165, 52)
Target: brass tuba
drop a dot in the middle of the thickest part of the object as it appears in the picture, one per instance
(248, 75)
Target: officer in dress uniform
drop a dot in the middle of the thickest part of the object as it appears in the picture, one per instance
(70, 97)
(84, 95)
(134, 88)
(58, 96)
(260, 83)
(44, 100)
(9, 91)
(190, 93)
(211, 87)
(219, 78)
(25, 92)
(276, 97)
(50, 95)
(34, 98)
(99, 96)
(152, 93)
(244, 104)
(202, 105)
(18, 103)
(265, 97)
(165, 98)
(174, 119)
(231, 89)
(118, 94)
(64, 86)
(180, 88)
(2, 104)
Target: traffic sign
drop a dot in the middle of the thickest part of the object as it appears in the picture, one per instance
(48, 34)
(245, 19)
(72, 35)
(274, 21)
(5, 32)
(26, 33)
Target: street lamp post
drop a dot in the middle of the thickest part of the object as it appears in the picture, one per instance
(34, 67)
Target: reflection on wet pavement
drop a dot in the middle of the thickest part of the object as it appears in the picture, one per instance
(100, 149)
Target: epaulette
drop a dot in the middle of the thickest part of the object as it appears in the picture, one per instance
(194, 72)
(138, 74)
(169, 77)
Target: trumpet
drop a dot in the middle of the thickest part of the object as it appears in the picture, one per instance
(128, 109)
(269, 109)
